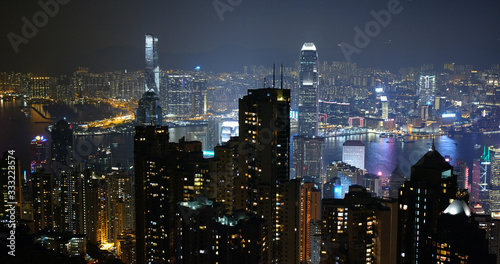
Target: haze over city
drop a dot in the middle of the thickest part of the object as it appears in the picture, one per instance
(238, 131)
(226, 35)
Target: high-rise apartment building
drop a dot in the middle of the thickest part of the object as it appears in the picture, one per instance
(165, 175)
(310, 200)
(358, 228)
(421, 200)
(264, 135)
(308, 91)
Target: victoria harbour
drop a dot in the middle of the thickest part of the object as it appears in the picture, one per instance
(382, 154)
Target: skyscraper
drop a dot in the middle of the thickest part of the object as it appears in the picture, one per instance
(310, 199)
(264, 124)
(494, 192)
(179, 95)
(152, 70)
(421, 200)
(165, 175)
(308, 90)
(427, 90)
(353, 153)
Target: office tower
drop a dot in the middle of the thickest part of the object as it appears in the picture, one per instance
(357, 229)
(396, 180)
(353, 153)
(481, 172)
(385, 107)
(40, 154)
(424, 112)
(199, 97)
(149, 112)
(179, 96)
(264, 124)
(462, 171)
(152, 69)
(310, 199)
(427, 90)
(308, 91)
(494, 192)
(42, 200)
(421, 200)
(457, 238)
(10, 165)
(308, 157)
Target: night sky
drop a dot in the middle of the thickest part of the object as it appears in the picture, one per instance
(108, 35)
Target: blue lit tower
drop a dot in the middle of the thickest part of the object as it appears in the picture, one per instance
(308, 90)
(152, 71)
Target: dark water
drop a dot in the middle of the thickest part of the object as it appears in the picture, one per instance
(17, 130)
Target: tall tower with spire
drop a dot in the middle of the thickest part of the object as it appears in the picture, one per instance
(308, 90)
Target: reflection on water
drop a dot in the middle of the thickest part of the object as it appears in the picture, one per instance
(17, 130)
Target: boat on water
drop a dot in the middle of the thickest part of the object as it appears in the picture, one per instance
(477, 146)
(383, 135)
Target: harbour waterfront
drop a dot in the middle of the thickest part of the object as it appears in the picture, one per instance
(382, 154)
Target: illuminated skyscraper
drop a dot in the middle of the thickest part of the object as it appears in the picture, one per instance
(152, 70)
(427, 90)
(179, 99)
(308, 90)
(481, 172)
(353, 153)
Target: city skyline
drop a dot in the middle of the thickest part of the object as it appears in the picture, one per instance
(378, 144)
(393, 34)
